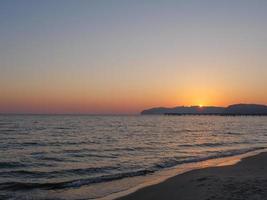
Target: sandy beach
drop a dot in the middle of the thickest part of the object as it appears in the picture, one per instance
(244, 180)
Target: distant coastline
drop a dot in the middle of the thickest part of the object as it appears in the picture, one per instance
(231, 110)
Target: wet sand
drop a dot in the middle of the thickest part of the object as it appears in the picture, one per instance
(244, 180)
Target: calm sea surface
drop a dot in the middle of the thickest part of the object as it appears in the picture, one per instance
(57, 157)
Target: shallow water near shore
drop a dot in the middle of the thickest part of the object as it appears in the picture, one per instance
(89, 157)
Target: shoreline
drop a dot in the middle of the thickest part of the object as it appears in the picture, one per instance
(165, 174)
(242, 177)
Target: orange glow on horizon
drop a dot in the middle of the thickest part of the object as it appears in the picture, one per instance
(117, 101)
(119, 105)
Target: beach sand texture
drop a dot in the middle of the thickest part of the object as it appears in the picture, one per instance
(247, 180)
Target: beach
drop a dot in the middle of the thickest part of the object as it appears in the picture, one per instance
(245, 180)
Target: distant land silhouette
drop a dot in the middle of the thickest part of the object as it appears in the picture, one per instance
(236, 109)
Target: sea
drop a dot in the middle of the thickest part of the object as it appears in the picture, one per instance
(94, 157)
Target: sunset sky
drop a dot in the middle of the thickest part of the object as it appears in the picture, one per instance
(120, 56)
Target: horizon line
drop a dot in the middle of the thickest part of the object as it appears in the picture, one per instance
(120, 114)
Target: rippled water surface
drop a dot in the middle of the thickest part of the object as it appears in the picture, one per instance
(45, 157)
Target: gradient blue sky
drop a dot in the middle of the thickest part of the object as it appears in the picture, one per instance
(124, 56)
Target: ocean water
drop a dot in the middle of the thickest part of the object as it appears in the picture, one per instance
(84, 157)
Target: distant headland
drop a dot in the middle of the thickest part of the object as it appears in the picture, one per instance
(232, 110)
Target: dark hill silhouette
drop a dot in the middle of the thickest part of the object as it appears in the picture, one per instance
(184, 110)
(237, 109)
(246, 109)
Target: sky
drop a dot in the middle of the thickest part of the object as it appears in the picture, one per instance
(122, 56)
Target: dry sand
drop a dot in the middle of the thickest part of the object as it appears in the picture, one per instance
(247, 180)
